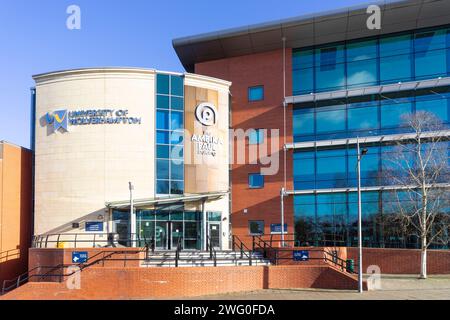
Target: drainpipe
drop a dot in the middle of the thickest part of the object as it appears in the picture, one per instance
(204, 224)
(282, 193)
(132, 217)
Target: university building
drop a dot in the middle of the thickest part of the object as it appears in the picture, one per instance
(325, 80)
(138, 153)
(255, 142)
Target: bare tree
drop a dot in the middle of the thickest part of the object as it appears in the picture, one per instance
(418, 167)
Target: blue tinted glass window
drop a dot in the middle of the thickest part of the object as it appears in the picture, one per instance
(330, 77)
(162, 102)
(176, 120)
(330, 119)
(256, 136)
(303, 59)
(430, 53)
(176, 85)
(255, 180)
(169, 134)
(332, 206)
(330, 68)
(162, 151)
(303, 81)
(162, 83)
(363, 118)
(431, 64)
(176, 137)
(177, 152)
(331, 168)
(370, 167)
(162, 187)
(362, 73)
(395, 45)
(392, 113)
(256, 93)
(362, 63)
(396, 59)
(162, 171)
(162, 137)
(177, 103)
(395, 69)
(304, 171)
(162, 119)
(176, 187)
(304, 206)
(303, 121)
(361, 50)
(438, 107)
(177, 170)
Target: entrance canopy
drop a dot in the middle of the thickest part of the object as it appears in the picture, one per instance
(151, 202)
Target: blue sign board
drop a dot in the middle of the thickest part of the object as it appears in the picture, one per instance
(94, 226)
(79, 256)
(300, 255)
(276, 228)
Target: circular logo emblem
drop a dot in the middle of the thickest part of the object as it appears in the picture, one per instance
(206, 114)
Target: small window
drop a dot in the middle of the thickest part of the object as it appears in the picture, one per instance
(255, 181)
(256, 93)
(256, 136)
(256, 227)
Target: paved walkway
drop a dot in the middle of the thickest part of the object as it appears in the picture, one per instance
(405, 287)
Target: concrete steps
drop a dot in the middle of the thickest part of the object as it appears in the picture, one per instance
(202, 259)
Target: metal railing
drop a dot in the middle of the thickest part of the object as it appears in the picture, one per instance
(276, 254)
(89, 240)
(178, 250)
(243, 249)
(212, 251)
(57, 271)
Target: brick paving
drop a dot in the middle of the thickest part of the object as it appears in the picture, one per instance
(405, 287)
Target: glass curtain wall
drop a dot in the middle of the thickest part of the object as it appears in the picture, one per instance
(169, 134)
(331, 219)
(364, 116)
(414, 55)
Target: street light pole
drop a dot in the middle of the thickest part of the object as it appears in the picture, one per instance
(360, 154)
(282, 216)
(132, 216)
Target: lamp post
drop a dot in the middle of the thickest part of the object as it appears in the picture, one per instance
(282, 193)
(132, 217)
(360, 154)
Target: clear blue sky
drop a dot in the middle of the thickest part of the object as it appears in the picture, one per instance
(138, 33)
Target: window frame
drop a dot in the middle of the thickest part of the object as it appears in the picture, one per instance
(255, 87)
(257, 221)
(254, 174)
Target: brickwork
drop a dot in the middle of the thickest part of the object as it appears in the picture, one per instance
(137, 283)
(246, 71)
(402, 261)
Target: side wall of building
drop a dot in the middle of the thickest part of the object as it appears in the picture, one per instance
(15, 209)
(246, 71)
(79, 170)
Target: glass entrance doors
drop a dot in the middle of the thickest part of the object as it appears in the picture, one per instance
(167, 234)
(214, 234)
(176, 234)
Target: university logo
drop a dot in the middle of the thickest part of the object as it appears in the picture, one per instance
(58, 119)
(206, 114)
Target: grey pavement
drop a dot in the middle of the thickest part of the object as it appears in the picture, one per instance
(393, 287)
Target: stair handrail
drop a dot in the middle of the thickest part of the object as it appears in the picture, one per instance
(24, 277)
(242, 246)
(212, 250)
(177, 252)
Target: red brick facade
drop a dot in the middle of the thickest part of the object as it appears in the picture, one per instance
(402, 261)
(246, 71)
(135, 283)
